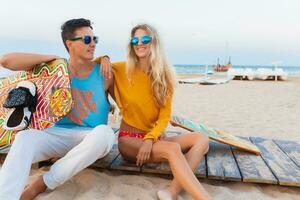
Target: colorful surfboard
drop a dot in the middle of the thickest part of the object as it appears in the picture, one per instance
(214, 134)
(54, 96)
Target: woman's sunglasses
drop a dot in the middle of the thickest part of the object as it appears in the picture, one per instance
(146, 39)
(86, 39)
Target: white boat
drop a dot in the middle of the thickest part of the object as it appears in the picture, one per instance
(191, 80)
(205, 80)
(215, 81)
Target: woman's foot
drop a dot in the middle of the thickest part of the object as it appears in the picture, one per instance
(165, 194)
(34, 189)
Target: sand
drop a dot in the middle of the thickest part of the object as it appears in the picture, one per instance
(247, 108)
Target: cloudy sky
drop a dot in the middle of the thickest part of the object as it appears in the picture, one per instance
(255, 32)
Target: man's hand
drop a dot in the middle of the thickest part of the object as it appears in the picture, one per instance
(105, 67)
(144, 152)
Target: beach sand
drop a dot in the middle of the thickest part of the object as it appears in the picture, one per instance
(245, 108)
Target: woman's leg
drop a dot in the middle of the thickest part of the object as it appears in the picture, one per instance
(170, 151)
(196, 146)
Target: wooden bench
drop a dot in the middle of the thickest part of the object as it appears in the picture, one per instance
(279, 163)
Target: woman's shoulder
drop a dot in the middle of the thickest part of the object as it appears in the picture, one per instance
(119, 66)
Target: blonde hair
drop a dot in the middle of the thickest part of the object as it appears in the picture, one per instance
(161, 73)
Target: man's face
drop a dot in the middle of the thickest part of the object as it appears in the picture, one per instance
(84, 47)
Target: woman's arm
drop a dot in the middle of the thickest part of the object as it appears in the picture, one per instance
(24, 61)
(151, 137)
(162, 121)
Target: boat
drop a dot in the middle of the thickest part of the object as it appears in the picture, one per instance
(205, 80)
(222, 68)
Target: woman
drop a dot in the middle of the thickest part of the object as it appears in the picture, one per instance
(143, 89)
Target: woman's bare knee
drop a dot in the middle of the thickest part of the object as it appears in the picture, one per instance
(203, 141)
(172, 149)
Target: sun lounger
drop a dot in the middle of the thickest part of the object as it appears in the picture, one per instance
(263, 73)
(240, 74)
(269, 74)
(280, 74)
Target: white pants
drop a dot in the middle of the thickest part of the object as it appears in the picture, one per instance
(79, 147)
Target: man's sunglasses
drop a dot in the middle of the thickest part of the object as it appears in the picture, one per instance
(146, 39)
(86, 39)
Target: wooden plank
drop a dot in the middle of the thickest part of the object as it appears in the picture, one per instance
(252, 167)
(285, 170)
(291, 148)
(164, 168)
(157, 168)
(221, 164)
(201, 170)
(115, 129)
(108, 159)
(121, 164)
(214, 134)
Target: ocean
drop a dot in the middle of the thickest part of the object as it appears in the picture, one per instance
(200, 69)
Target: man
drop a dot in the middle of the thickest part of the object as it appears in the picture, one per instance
(80, 138)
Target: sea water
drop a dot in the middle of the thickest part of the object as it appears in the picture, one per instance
(200, 69)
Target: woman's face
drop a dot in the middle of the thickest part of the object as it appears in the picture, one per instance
(141, 50)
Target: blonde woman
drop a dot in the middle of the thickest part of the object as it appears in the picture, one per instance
(144, 86)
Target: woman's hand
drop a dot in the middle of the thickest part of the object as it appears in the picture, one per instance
(105, 67)
(144, 152)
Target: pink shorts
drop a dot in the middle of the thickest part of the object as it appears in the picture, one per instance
(131, 134)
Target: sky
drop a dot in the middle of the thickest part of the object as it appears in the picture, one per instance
(253, 32)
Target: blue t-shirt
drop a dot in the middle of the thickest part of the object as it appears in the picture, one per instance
(91, 106)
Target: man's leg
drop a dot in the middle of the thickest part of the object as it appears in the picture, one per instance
(96, 144)
(30, 146)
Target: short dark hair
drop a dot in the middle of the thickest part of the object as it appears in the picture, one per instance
(69, 27)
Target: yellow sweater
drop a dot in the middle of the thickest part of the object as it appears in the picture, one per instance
(137, 103)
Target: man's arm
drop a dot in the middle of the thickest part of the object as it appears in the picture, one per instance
(111, 89)
(108, 85)
(24, 61)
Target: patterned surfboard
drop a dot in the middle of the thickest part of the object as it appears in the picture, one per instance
(217, 135)
(54, 96)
